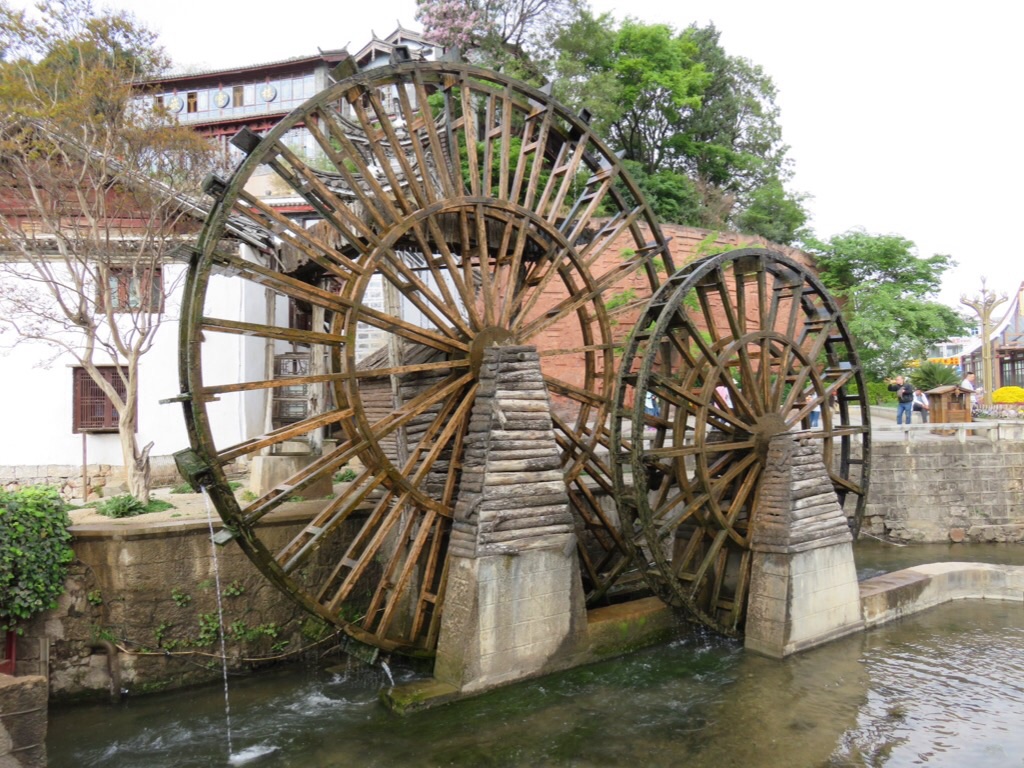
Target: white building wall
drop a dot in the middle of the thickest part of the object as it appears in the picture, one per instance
(36, 387)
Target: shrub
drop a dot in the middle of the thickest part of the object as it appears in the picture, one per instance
(129, 506)
(879, 394)
(931, 375)
(1008, 395)
(121, 506)
(126, 506)
(34, 552)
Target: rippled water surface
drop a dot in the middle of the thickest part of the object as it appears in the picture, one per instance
(943, 688)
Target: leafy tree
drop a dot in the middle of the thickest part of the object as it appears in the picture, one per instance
(91, 197)
(511, 36)
(657, 83)
(773, 213)
(700, 127)
(885, 289)
(672, 196)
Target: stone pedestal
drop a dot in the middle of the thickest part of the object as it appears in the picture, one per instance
(514, 606)
(268, 472)
(803, 583)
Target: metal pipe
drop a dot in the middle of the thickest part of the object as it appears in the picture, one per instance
(113, 666)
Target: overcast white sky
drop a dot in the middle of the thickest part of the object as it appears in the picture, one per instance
(903, 116)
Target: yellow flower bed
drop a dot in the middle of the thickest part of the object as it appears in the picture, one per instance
(1008, 395)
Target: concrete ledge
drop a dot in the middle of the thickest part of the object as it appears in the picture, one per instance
(611, 631)
(902, 593)
(616, 629)
(132, 528)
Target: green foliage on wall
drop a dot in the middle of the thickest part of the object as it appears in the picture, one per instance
(34, 553)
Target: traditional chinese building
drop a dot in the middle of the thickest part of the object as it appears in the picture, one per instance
(1007, 341)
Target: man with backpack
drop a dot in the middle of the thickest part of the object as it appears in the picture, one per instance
(904, 399)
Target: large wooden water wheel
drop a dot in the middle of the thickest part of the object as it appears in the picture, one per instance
(733, 350)
(447, 208)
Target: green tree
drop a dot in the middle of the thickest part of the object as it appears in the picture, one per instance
(638, 81)
(672, 196)
(886, 291)
(731, 145)
(93, 197)
(700, 127)
(773, 213)
(657, 83)
(514, 37)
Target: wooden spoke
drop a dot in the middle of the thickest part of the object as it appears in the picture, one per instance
(735, 349)
(280, 435)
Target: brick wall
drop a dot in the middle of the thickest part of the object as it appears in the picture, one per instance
(685, 244)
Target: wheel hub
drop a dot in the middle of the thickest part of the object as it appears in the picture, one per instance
(767, 427)
(492, 336)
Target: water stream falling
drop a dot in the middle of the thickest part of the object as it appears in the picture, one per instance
(387, 671)
(220, 620)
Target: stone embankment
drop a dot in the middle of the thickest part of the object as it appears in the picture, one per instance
(935, 488)
(902, 593)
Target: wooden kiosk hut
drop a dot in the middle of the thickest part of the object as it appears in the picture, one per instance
(949, 404)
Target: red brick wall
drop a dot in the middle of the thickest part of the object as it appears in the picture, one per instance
(685, 244)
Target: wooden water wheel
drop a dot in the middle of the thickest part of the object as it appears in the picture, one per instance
(447, 208)
(734, 349)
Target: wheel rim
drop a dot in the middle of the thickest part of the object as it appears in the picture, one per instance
(700, 349)
(478, 244)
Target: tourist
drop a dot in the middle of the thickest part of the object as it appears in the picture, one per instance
(904, 399)
(722, 393)
(815, 414)
(969, 384)
(921, 405)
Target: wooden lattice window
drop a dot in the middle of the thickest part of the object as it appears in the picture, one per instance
(133, 289)
(92, 409)
(290, 404)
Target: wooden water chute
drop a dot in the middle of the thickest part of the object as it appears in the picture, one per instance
(456, 209)
(755, 344)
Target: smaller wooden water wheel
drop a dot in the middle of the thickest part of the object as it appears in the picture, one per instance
(733, 350)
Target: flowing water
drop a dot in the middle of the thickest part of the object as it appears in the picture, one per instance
(942, 688)
(220, 623)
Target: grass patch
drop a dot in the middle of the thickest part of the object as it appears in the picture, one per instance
(128, 506)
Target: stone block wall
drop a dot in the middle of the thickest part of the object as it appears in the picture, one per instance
(22, 722)
(103, 479)
(140, 613)
(942, 490)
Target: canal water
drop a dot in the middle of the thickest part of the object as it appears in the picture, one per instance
(942, 688)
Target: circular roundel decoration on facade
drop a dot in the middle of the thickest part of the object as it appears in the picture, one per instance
(221, 99)
(268, 92)
(175, 104)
